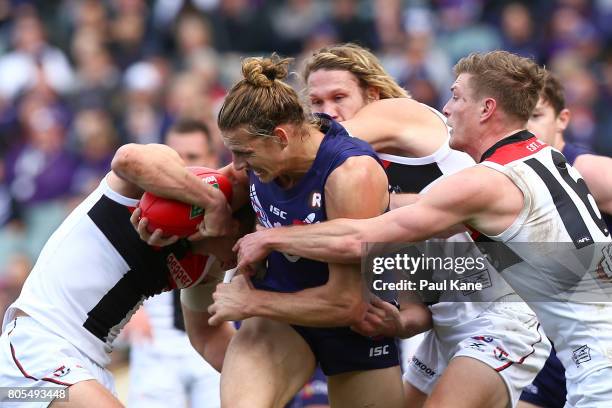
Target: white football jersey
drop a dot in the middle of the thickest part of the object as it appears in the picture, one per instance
(559, 223)
(94, 273)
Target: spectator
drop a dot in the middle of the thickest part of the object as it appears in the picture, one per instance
(18, 69)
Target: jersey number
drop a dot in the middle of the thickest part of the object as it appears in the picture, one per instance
(568, 211)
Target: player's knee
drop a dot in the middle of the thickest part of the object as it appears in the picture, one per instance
(254, 334)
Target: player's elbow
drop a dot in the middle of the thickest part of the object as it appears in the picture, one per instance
(125, 158)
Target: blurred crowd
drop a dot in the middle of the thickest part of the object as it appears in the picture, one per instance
(78, 78)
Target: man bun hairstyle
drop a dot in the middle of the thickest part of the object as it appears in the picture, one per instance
(262, 100)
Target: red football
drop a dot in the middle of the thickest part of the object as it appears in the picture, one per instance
(178, 218)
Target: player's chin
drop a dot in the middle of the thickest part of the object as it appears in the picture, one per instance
(263, 176)
(454, 141)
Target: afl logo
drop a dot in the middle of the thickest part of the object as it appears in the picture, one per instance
(315, 199)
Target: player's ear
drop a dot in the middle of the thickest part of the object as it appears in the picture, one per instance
(487, 108)
(281, 134)
(563, 119)
(372, 94)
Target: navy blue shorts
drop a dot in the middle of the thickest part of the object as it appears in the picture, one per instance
(340, 350)
(548, 388)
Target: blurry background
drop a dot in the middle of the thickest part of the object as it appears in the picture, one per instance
(78, 78)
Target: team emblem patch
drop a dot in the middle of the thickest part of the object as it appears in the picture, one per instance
(581, 355)
(61, 371)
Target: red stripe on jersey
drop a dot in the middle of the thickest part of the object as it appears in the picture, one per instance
(473, 233)
(23, 372)
(54, 381)
(26, 375)
(522, 359)
(515, 151)
(385, 163)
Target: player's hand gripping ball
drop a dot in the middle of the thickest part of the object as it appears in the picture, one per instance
(178, 218)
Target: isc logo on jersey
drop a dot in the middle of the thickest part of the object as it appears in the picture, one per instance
(379, 351)
(178, 273)
(278, 212)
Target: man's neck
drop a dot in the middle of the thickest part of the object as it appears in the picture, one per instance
(485, 143)
(559, 143)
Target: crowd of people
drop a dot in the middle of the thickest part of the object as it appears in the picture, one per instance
(80, 79)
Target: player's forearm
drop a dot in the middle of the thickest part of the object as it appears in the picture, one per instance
(401, 200)
(308, 307)
(336, 241)
(159, 170)
(415, 318)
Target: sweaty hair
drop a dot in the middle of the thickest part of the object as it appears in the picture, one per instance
(359, 62)
(515, 82)
(553, 92)
(189, 125)
(261, 101)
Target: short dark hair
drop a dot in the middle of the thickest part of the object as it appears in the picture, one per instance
(553, 92)
(514, 81)
(190, 125)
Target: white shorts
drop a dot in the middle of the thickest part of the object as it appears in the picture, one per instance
(172, 379)
(506, 337)
(32, 356)
(592, 391)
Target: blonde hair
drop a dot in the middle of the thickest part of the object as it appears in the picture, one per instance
(359, 62)
(261, 101)
(515, 82)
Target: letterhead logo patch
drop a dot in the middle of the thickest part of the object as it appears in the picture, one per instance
(581, 355)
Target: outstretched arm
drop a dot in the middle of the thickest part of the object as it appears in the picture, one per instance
(444, 206)
(597, 173)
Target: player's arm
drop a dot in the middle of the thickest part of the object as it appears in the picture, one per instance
(159, 169)
(402, 199)
(340, 241)
(597, 174)
(383, 318)
(340, 301)
(209, 341)
(401, 124)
